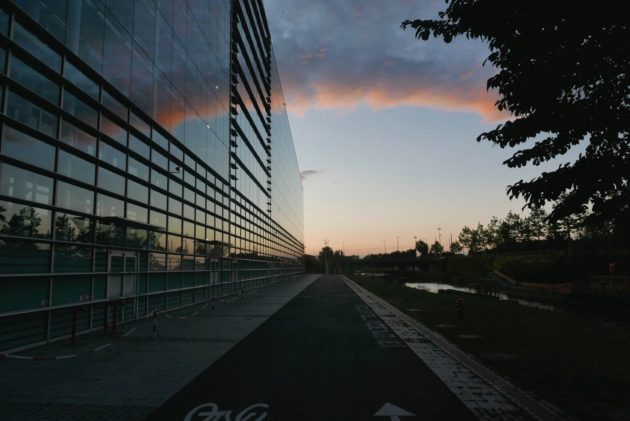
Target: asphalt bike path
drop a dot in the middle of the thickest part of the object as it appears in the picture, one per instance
(324, 356)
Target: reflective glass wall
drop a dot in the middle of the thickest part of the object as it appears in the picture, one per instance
(115, 190)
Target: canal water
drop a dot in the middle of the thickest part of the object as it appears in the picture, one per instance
(435, 288)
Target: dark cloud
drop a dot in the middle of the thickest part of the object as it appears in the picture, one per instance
(309, 173)
(351, 52)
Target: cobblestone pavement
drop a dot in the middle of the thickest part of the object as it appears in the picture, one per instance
(136, 373)
(486, 394)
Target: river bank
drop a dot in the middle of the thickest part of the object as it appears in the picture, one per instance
(578, 363)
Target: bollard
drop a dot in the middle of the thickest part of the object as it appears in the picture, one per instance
(105, 318)
(73, 335)
(155, 332)
(115, 305)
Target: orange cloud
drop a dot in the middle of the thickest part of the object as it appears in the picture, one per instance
(328, 95)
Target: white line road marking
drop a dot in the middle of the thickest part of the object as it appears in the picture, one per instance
(211, 412)
(393, 412)
(63, 357)
(102, 347)
(130, 332)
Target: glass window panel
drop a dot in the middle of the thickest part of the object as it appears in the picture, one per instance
(141, 125)
(189, 195)
(109, 234)
(200, 216)
(174, 225)
(117, 55)
(23, 184)
(111, 155)
(136, 237)
(113, 130)
(189, 178)
(144, 28)
(200, 201)
(138, 146)
(188, 246)
(174, 206)
(160, 140)
(70, 227)
(138, 169)
(122, 10)
(109, 206)
(175, 188)
(157, 262)
(36, 47)
(80, 80)
(72, 259)
(137, 213)
(189, 211)
(177, 152)
(111, 181)
(74, 197)
(77, 138)
(114, 105)
(18, 256)
(200, 232)
(34, 81)
(158, 200)
(158, 179)
(79, 109)
(4, 21)
(159, 159)
(75, 167)
(142, 85)
(51, 15)
(3, 59)
(89, 17)
(189, 229)
(24, 221)
(26, 112)
(23, 147)
(164, 45)
(175, 245)
(158, 219)
(156, 240)
(137, 191)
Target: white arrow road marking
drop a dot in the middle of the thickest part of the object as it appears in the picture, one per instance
(393, 412)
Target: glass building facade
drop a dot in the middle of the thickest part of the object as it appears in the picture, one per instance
(146, 161)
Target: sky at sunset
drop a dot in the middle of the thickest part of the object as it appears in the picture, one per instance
(384, 125)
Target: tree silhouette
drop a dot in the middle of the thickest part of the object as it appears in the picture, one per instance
(422, 247)
(456, 247)
(564, 76)
(23, 223)
(436, 248)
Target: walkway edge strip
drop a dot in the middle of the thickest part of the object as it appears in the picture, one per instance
(53, 357)
(532, 406)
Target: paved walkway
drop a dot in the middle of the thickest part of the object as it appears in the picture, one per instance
(319, 348)
(135, 373)
(324, 356)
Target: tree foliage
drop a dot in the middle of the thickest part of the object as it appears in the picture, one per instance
(563, 73)
(422, 247)
(436, 248)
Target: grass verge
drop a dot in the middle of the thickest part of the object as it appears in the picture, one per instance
(578, 364)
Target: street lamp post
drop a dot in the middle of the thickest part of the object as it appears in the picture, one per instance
(397, 244)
